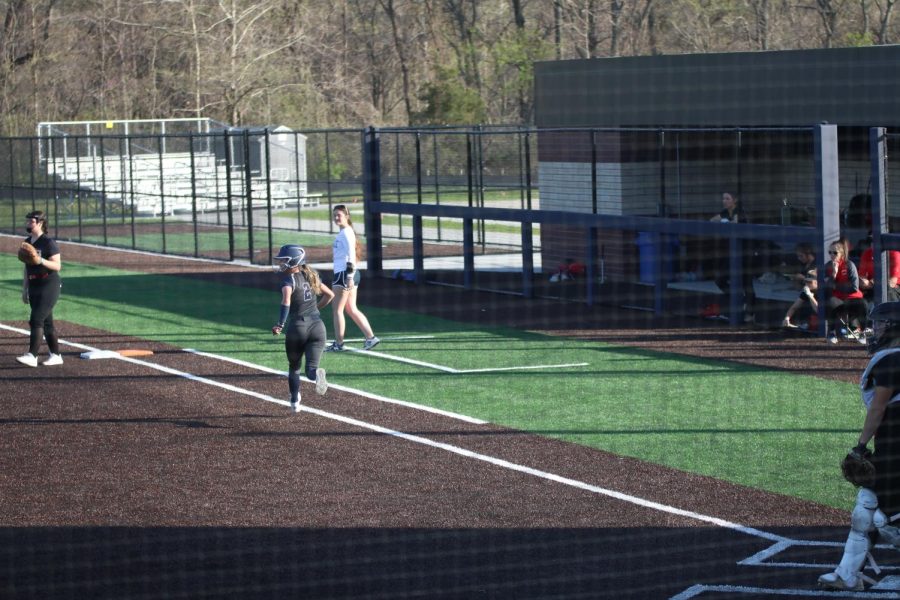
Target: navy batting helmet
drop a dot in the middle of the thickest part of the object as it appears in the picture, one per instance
(885, 320)
(290, 256)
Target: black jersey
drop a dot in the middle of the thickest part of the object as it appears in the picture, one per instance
(46, 247)
(303, 299)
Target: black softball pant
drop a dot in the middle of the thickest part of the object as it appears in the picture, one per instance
(886, 458)
(303, 338)
(42, 297)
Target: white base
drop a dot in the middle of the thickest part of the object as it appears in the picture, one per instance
(94, 354)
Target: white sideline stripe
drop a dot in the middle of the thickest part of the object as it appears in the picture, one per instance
(498, 462)
(393, 338)
(523, 368)
(696, 590)
(427, 365)
(400, 359)
(443, 413)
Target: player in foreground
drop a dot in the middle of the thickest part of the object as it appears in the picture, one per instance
(876, 473)
(302, 295)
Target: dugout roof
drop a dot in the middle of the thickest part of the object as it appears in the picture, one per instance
(843, 86)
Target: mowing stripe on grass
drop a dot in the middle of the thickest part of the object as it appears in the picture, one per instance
(498, 462)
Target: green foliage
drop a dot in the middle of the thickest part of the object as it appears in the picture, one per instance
(322, 171)
(520, 53)
(448, 102)
(859, 40)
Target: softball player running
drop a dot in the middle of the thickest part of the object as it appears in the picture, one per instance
(346, 282)
(302, 295)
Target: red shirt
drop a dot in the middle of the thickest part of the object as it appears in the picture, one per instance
(867, 264)
(842, 276)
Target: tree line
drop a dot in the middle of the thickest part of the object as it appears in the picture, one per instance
(351, 63)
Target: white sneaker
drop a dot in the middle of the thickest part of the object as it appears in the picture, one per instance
(787, 323)
(321, 382)
(295, 407)
(833, 581)
(371, 343)
(832, 339)
(28, 359)
(55, 359)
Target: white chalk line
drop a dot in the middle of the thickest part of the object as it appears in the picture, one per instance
(451, 370)
(443, 413)
(697, 590)
(498, 462)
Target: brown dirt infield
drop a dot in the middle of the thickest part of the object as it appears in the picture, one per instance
(124, 481)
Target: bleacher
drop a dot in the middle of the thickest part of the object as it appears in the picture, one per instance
(153, 183)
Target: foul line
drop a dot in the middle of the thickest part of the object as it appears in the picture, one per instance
(443, 413)
(498, 462)
(451, 370)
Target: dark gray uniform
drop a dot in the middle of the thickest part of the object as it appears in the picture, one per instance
(304, 331)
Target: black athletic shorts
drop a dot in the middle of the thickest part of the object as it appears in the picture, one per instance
(340, 279)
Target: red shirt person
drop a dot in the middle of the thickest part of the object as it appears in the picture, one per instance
(867, 273)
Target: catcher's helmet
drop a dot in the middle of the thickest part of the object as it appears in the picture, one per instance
(885, 320)
(290, 256)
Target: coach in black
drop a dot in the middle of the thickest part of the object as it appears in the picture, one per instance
(41, 286)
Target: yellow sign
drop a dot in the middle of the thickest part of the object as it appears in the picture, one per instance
(109, 124)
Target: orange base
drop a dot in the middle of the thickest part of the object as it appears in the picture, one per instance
(133, 352)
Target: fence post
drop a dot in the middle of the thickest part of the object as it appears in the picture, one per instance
(528, 169)
(268, 174)
(194, 194)
(736, 276)
(248, 192)
(878, 158)
(53, 182)
(160, 144)
(102, 192)
(227, 146)
(130, 176)
(662, 209)
(77, 190)
(468, 223)
(418, 233)
(591, 243)
(527, 259)
(371, 160)
(12, 186)
(828, 207)
(593, 171)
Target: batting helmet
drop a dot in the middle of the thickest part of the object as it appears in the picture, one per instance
(290, 256)
(885, 327)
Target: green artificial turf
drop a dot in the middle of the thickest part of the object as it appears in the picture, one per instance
(767, 429)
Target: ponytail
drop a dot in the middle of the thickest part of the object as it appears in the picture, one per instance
(312, 278)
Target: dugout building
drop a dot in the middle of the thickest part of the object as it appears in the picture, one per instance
(671, 133)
